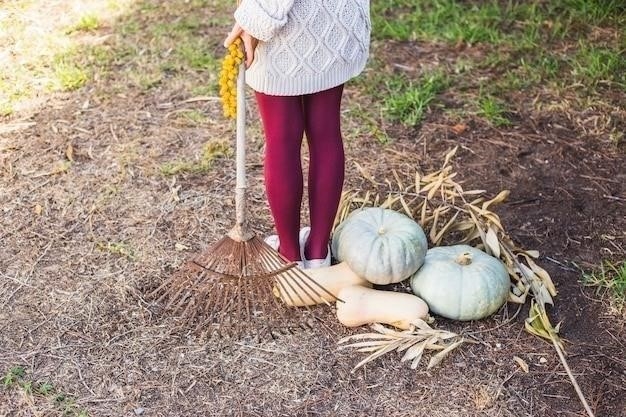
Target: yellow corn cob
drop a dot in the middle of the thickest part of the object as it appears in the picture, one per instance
(228, 78)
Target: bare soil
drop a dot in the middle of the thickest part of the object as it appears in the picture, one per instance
(88, 224)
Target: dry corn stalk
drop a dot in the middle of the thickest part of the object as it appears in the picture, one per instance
(450, 214)
(413, 342)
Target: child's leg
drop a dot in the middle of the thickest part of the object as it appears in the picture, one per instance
(283, 123)
(326, 166)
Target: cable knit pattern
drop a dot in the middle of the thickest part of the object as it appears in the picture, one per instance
(306, 45)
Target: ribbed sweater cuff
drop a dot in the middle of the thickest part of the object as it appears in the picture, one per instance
(260, 81)
(255, 20)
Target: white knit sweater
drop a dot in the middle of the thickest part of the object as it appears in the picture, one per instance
(305, 46)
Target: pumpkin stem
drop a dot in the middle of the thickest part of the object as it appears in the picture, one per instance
(382, 231)
(464, 259)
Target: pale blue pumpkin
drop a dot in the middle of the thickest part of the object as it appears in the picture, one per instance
(380, 245)
(461, 282)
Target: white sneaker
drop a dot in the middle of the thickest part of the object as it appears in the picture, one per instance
(311, 263)
(274, 242)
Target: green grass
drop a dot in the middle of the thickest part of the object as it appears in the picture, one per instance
(87, 23)
(592, 65)
(121, 249)
(407, 101)
(556, 47)
(560, 47)
(151, 44)
(69, 74)
(524, 24)
(493, 110)
(13, 376)
(31, 391)
(213, 150)
(445, 20)
(610, 279)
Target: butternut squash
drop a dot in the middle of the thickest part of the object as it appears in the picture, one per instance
(365, 306)
(332, 278)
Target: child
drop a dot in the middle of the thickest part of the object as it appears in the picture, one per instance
(299, 54)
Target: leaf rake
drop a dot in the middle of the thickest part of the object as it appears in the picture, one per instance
(229, 290)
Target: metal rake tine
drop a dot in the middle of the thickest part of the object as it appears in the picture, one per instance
(188, 310)
(293, 277)
(239, 293)
(260, 304)
(213, 310)
(267, 318)
(207, 297)
(177, 299)
(283, 278)
(265, 253)
(308, 279)
(215, 248)
(161, 290)
(283, 290)
(301, 278)
(211, 294)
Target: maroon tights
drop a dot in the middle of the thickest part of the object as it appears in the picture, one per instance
(285, 120)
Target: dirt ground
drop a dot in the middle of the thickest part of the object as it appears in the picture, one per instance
(88, 223)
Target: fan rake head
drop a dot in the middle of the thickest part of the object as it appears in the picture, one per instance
(230, 290)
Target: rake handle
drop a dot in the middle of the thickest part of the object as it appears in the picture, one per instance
(240, 232)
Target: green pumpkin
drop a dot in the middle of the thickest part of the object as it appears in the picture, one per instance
(380, 245)
(461, 282)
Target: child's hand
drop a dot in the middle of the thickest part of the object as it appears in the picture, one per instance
(249, 42)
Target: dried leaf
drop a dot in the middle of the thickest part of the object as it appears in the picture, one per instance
(513, 298)
(445, 229)
(472, 192)
(364, 173)
(405, 206)
(414, 351)
(462, 225)
(415, 341)
(502, 195)
(368, 344)
(435, 360)
(449, 156)
(540, 292)
(458, 128)
(421, 324)
(479, 226)
(433, 228)
(538, 324)
(398, 180)
(390, 201)
(434, 189)
(69, 152)
(417, 182)
(375, 355)
(492, 242)
(423, 213)
(542, 274)
(522, 363)
(431, 177)
(384, 330)
(532, 253)
(362, 336)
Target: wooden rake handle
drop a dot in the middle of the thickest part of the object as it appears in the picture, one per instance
(240, 232)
